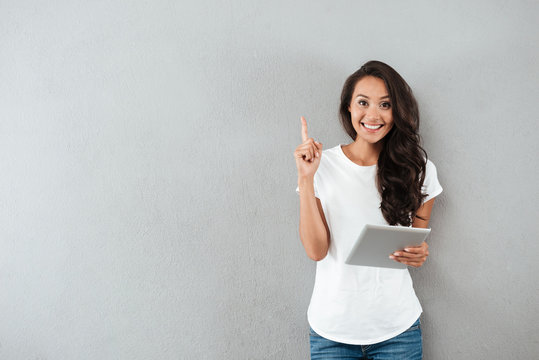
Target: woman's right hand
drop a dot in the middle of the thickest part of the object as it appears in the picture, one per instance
(307, 154)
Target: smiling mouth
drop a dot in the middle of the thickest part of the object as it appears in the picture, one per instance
(372, 127)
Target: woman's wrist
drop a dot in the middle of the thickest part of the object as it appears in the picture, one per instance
(306, 185)
(305, 180)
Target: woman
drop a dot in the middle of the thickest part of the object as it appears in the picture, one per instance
(382, 177)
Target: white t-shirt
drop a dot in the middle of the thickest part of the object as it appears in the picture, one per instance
(351, 304)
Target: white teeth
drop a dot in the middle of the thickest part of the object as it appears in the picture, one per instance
(372, 127)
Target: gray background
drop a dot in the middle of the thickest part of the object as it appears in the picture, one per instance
(148, 205)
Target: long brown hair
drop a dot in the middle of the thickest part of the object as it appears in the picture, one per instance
(402, 161)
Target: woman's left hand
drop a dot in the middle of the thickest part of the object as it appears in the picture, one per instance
(414, 256)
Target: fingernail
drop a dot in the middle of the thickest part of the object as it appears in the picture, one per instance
(396, 254)
(406, 249)
(317, 155)
(391, 257)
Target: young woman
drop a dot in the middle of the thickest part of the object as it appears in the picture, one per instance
(382, 177)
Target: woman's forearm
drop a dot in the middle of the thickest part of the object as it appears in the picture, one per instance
(312, 230)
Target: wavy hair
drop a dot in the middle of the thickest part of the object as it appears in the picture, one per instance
(402, 160)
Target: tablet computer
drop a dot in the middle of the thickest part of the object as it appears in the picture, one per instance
(376, 242)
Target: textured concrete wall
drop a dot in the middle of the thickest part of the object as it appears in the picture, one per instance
(147, 202)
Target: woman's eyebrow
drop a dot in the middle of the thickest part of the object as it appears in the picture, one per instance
(366, 97)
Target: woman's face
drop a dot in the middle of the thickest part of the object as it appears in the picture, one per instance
(370, 109)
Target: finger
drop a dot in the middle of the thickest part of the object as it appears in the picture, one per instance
(417, 249)
(412, 254)
(408, 255)
(414, 259)
(318, 148)
(311, 152)
(414, 251)
(306, 155)
(409, 262)
(415, 263)
(315, 150)
(309, 146)
(302, 152)
(308, 152)
(304, 135)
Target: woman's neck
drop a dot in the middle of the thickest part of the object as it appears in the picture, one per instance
(363, 153)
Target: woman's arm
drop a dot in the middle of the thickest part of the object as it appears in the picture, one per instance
(313, 228)
(416, 255)
(424, 211)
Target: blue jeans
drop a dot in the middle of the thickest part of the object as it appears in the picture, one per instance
(405, 346)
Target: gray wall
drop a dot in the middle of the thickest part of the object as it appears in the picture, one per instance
(148, 205)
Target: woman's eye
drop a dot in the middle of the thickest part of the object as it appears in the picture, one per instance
(385, 105)
(362, 103)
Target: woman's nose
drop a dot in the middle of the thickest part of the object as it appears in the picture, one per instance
(372, 113)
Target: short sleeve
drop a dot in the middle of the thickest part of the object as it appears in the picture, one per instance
(316, 194)
(431, 185)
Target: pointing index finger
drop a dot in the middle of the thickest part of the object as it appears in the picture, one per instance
(304, 135)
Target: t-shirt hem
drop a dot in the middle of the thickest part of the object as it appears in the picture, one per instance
(364, 341)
